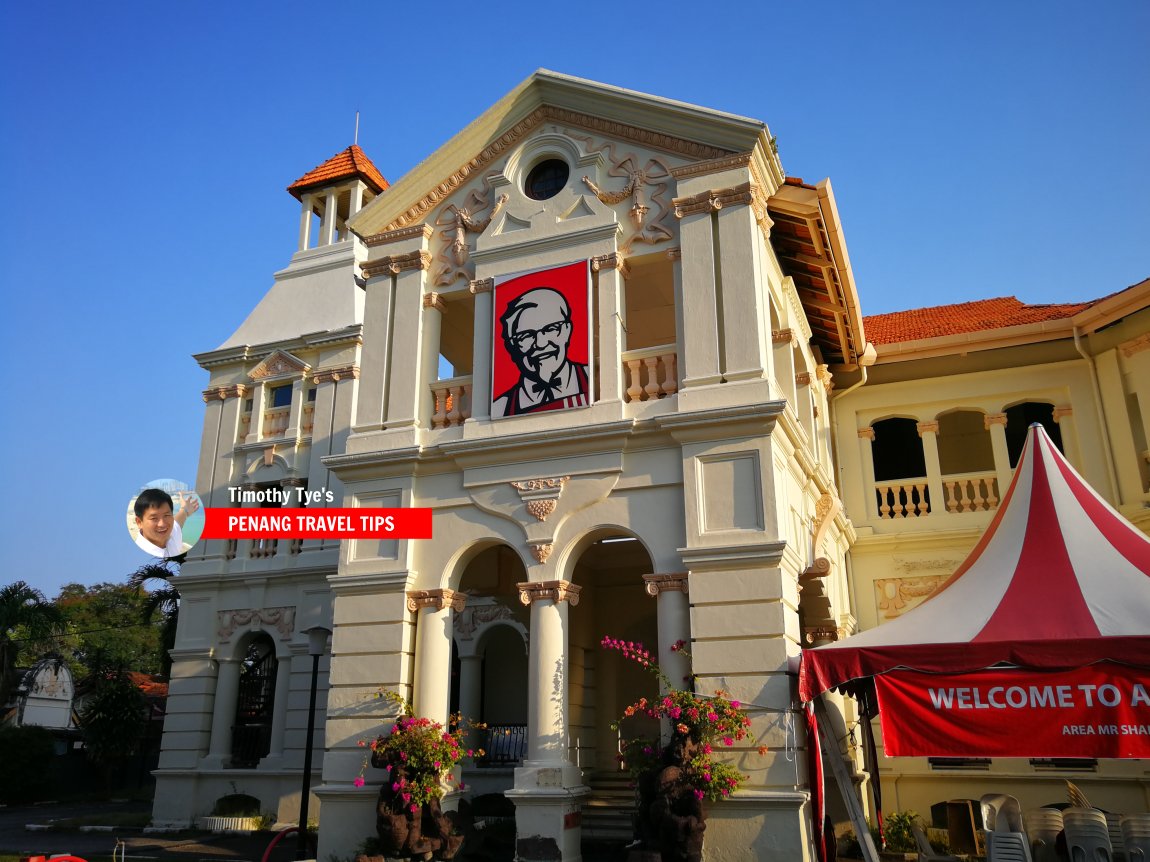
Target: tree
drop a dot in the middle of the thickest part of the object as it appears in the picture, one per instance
(106, 629)
(163, 600)
(25, 615)
(113, 718)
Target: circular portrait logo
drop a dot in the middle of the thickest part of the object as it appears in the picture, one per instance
(165, 518)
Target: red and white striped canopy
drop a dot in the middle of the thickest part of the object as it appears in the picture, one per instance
(1059, 580)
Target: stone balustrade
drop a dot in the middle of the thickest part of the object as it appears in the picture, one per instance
(650, 373)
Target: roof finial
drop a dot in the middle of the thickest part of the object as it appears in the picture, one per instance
(355, 141)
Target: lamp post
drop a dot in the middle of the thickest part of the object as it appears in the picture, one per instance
(316, 644)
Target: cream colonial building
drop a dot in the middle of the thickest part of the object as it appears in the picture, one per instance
(926, 450)
(689, 501)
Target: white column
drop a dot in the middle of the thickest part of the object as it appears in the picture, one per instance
(547, 699)
(256, 427)
(866, 458)
(676, 257)
(280, 708)
(433, 650)
(673, 612)
(481, 350)
(928, 431)
(377, 312)
(743, 342)
(610, 328)
(305, 222)
(1064, 416)
(295, 411)
(995, 423)
(700, 357)
(433, 310)
(327, 229)
(408, 345)
(224, 711)
(356, 198)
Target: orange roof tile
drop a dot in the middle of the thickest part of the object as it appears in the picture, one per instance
(352, 162)
(150, 686)
(983, 314)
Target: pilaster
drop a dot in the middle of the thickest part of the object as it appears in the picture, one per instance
(928, 431)
(481, 357)
(611, 308)
(700, 338)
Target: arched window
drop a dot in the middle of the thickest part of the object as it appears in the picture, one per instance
(899, 469)
(966, 462)
(255, 704)
(1020, 417)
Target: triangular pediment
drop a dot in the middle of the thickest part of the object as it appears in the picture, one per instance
(685, 133)
(279, 364)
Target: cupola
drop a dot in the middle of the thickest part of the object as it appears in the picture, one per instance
(332, 193)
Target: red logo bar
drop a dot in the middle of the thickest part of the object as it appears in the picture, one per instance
(317, 524)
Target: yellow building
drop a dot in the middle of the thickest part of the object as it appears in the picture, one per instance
(926, 450)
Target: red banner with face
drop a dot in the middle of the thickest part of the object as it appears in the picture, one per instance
(1097, 711)
(542, 341)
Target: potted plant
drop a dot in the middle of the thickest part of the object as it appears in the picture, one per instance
(675, 780)
(419, 756)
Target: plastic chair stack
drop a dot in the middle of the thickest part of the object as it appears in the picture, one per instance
(1043, 826)
(1005, 838)
(1136, 836)
(1087, 835)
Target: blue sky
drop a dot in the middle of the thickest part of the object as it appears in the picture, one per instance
(977, 149)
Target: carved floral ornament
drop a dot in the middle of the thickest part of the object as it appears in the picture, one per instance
(281, 619)
(896, 596)
(666, 583)
(555, 591)
(516, 133)
(473, 617)
(457, 222)
(278, 364)
(437, 600)
(223, 393)
(542, 551)
(541, 497)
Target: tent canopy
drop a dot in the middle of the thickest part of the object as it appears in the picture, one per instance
(1059, 580)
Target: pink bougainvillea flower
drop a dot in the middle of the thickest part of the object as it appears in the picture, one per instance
(728, 741)
(359, 782)
(698, 794)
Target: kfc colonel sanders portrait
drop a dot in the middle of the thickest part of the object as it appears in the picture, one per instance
(536, 329)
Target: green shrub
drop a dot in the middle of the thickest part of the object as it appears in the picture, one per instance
(27, 754)
(897, 830)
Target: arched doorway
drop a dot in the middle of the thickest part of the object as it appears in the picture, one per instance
(613, 601)
(489, 664)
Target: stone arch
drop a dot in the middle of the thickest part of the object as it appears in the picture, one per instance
(1020, 415)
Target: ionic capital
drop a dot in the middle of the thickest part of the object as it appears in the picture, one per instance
(614, 260)
(437, 600)
(555, 591)
(866, 433)
(666, 583)
(803, 378)
(394, 264)
(993, 419)
(434, 300)
(334, 375)
(223, 393)
(927, 428)
(481, 285)
(1064, 410)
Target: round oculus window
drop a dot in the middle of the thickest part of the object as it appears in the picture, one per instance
(546, 179)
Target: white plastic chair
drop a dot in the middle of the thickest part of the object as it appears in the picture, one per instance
(1043, 826)
(1136, 835)
(1001, 813)
(926, 853)
(1007, 847)
(1087, 835)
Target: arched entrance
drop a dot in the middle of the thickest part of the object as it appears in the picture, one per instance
(489, 665)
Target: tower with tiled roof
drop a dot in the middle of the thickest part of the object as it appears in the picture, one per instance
(331, 193)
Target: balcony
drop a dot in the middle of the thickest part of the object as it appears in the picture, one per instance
(650, 373)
